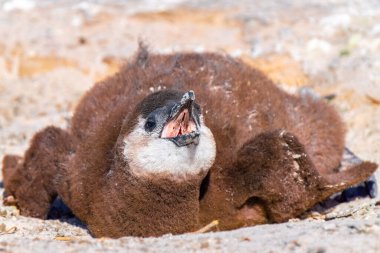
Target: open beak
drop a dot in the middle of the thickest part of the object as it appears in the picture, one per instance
(181, 127)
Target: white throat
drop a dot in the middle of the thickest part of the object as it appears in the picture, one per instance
(148, 154)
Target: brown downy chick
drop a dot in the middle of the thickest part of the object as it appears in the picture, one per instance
(122, 179)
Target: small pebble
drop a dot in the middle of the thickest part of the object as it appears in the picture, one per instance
(330, 227)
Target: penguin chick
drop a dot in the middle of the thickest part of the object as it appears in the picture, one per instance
(135, 162)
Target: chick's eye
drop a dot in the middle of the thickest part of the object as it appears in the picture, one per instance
(150, 124)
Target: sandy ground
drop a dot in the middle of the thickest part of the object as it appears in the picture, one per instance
(51, 52)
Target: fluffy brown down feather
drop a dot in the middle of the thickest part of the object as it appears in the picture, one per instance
(277, 153)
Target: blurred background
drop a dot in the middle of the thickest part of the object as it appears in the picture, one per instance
(52, 51)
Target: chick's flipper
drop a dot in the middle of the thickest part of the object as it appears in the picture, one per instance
(275, 170)
(30, 183)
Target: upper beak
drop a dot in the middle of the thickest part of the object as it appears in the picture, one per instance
(187, 101)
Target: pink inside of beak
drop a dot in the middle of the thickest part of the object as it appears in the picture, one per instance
(181, 125)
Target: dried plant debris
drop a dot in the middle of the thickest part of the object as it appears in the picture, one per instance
(7, 230)
(355, 210)
(360, 208)
(209, 227)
